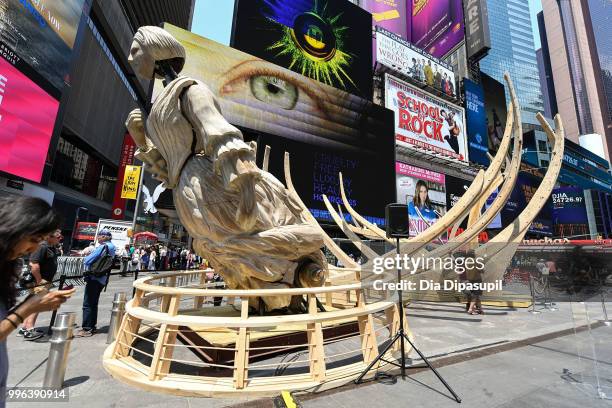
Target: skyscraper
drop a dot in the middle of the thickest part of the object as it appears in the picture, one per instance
(574, 43)
(513, 50)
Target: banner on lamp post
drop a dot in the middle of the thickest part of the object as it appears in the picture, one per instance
(131, 182)
(127, 157)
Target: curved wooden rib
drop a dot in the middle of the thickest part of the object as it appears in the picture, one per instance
(356, 216)
(499, 250)
(369, 253)
(266, 159)
(329, 243)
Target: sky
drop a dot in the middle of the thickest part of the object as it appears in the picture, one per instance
(213, 19)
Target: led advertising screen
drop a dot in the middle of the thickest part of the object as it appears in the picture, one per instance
(416, 64)
(258, 95)
(392, 15)
(569, 212)
(25, 131)
(496, 110)
(368, 175)
(455, 188)
(476, 118)
(436, 25)
(426, 123)
(327, 40)
(525, 188)
(424, 191)
(39, 36)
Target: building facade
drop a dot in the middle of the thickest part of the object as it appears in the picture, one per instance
(575, 65)
(513, 51)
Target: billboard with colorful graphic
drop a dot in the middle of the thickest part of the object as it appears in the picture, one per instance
(424, 192)
(392, 15)
(38, 36)
(27, 118)
(476, 120)
(436, 25)
(525, 188)
(258, 95)
(404, 58)
(326, 40)
(426, 123)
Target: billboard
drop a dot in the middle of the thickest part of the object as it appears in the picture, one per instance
(569, 212)
(476, 120)
(426, 209)
(495, 108)
(25, 131)
(392, 15)
(258, 95)
(426, 123)
(119, 229)
(85, 231)
(455, 188)
(326, 40)
(406, 59)
(477, 35)
(525, 188)
(368, 177)
(436, 26)
(39, 36)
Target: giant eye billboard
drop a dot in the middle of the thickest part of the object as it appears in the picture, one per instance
(259, 96)
(326, 40)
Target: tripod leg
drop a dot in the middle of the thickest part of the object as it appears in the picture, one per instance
(448, 387)
(378, 357)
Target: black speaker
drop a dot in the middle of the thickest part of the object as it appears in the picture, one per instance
(396, 218)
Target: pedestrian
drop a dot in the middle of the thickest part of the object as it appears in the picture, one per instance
(135, 261)
(144, 259)
(125, 259)
(94, 284)
(152, 259)
(43, 265)
(24, 224)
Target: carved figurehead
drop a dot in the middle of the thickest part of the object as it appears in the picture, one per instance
(242, 219)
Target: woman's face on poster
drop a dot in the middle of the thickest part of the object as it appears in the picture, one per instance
(422, 194)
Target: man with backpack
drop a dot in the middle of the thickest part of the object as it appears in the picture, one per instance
(97, 267)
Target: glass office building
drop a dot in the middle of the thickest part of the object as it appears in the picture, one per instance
(513, 50)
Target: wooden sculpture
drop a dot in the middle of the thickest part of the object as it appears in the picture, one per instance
(242, 219)
(261, 237)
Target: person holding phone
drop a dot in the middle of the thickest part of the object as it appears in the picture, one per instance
(24, 223)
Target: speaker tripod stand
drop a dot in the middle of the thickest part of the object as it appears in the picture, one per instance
(401, 336)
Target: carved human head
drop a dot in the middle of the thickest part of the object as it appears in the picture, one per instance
(152, 44)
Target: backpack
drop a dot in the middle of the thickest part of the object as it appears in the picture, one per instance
(102, 265)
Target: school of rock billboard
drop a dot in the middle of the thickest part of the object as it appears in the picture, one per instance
(406, 59)
(425, 123)
(422, 213)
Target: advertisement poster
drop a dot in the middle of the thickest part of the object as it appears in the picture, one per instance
(424, 191)
(85, 231)
(406, 59)
(119, 230)
(426, 123)
(437, 26)
(476, 119)
(455, 188)
(25, 133)
(131, 180)
(127, 157)
(39, 35)
(258, 95)
(525, 188)
(326, 40)
(569, 212)
(496, 110)
(368, 185)
(392, 15)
